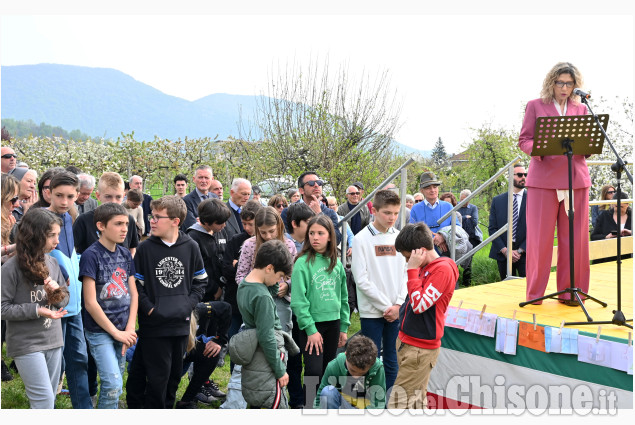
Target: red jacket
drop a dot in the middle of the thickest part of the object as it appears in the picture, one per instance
(430, 289)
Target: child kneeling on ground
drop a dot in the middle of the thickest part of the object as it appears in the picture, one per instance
(355, 379)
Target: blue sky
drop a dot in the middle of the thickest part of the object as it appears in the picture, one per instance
(451, 71)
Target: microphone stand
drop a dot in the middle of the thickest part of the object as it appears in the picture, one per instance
(618, 316)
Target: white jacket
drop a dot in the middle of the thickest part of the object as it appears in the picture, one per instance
(379, 271)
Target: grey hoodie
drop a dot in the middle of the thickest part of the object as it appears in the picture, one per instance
(26, 332)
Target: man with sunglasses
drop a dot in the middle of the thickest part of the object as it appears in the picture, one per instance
(310, 187)
(362, 218)
(9, 159)
(518, 222)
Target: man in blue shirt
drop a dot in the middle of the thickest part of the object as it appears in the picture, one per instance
(431, 210)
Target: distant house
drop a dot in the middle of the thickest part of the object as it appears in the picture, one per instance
(457, 159)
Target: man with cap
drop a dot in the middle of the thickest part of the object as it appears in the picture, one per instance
(362, 218)
(432, 209)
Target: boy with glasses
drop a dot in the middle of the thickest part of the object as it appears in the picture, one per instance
(171, 280)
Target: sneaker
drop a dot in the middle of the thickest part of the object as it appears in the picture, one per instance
(205, 396)
(214, 390)
(186, 405)
(6, 374)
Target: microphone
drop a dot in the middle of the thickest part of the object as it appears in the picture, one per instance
(581, 93)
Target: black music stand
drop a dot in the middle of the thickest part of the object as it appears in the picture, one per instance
(569, 135)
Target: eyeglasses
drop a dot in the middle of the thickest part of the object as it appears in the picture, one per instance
(9, 155)
(281, 206)
(152, 217)
(13, 200)
(561, 84)
(610, 192)
(314, 182)
(353, 193)
(520, 175)
(418, 200)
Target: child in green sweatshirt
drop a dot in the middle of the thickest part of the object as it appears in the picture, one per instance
(319, 299)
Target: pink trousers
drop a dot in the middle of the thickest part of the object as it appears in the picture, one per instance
(543, 212)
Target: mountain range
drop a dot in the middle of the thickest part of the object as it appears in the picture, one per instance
(104, 102)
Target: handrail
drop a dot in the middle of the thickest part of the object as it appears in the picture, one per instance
(509, 167)
(371, 195)
(479, 189)
(611, 202)
(600, 162)
(362, 204)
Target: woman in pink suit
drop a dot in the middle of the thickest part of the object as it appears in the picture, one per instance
(548, 183)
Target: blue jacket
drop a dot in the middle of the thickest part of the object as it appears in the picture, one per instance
(68, 260)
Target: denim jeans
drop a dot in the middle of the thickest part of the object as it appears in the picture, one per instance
(330, 398)
(283, 309)
(384, 334)
(40, 372)
(110, 364)
(76, 361)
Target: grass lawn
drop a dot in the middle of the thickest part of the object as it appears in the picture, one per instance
(484, 270)
(14, 395)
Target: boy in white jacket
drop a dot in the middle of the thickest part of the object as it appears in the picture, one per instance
(381, 279)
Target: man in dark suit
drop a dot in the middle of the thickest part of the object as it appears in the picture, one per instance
(498, 218)
(203, 177)
(136, 182)
(238, 196)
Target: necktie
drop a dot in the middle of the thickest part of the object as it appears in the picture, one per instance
(515, 215)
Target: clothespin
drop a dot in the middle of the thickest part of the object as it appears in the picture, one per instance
(597, 338)
(459, 306)
(514, 316)
(561, 326)
(534, 321)
(482, 311)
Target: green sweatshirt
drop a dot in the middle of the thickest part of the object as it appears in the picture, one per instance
(259, 312)
(374, 381)
(318, 295)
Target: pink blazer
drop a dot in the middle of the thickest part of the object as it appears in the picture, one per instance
(551, 172)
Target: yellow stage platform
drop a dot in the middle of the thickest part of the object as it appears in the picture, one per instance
(502, 298)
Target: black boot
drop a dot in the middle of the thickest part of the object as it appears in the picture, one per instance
(6, 375)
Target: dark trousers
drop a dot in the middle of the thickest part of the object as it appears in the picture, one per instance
(203, 368)
(518, 268)
(314, 364)
(155, 372)
(294, 369)
(216, 322)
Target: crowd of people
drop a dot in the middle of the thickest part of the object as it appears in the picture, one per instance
(169, 286)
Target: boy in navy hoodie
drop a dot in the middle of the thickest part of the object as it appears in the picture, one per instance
(64, 188)
(171, 280)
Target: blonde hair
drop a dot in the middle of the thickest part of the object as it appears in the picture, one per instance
(546, 94)
(110, 180)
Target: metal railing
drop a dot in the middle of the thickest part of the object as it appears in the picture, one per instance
(402, 170)
(509, 167)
